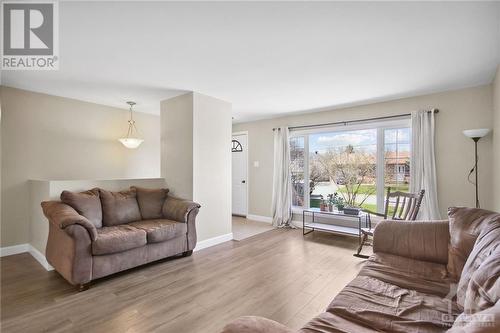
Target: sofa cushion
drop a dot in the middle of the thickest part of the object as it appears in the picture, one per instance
(161, 230)
(465, 226)
(482, 289)
(150, 202)
(119, 207)
(118, 239)
(378, 305)
(422, 276)
(331, 323)
(86, 203)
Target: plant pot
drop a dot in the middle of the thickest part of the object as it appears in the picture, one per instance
(323, 207)
(330, 207)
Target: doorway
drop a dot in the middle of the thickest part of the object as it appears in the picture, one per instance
(239, 152)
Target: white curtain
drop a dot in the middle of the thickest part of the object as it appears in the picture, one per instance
(423, 163)
(282, 184)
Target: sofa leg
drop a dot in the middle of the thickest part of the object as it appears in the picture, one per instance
(83, 287)
(187, 253)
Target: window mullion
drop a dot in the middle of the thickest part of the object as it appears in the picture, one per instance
(380, 170)
(306, 172)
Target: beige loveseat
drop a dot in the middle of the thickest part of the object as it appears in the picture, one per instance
(96, 233)
(419, 279)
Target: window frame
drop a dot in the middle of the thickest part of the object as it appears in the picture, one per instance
(380, 126)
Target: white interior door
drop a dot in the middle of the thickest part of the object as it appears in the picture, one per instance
(239, 173)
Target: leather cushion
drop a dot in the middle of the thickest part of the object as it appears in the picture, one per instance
(150, 202)
(119, 207)
(465, 226)
(422, 276)
(118, 239)
(479, 285)
(161, 230)
(380, 306)
(86, 203)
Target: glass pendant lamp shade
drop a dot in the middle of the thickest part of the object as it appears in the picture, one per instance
(131, 143)
(132, 140)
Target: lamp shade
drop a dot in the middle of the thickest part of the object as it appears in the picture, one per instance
(131, 143)
(476, 133)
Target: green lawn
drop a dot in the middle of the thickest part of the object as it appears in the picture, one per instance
(369, 188)
(372, 207)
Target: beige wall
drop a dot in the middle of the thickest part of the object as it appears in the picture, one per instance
(177, 144)
(212, 165)
(49, 137)
(196, 158)
(496, 141)
(459, 110)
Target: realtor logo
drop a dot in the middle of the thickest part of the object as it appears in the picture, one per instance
(30, 35)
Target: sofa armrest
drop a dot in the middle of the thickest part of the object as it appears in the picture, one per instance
(63, 216)
(251, 324)
(177, 209)
(69, 251)
(420, 240)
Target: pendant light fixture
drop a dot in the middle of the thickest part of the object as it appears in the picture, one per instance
(132, 140)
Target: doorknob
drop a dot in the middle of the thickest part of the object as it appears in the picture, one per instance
(243, 181)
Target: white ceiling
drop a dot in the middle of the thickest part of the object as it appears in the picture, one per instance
(268, 58)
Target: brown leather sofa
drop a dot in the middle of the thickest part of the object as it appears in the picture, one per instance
(96, 233)
(432, 276)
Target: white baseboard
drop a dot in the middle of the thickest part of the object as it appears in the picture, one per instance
(23, 248)
(260, 218)
(15, 249)
(40, 258)
(213, 241)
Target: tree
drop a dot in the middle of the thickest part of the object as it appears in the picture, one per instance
(349, 167)
(316, 174)
(297, 171)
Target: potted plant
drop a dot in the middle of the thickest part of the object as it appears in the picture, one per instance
(323, 206)
(331, 202)
(335, 200)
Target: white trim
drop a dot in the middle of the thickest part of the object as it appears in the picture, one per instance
(379, 125)
(380, 170)
(40, 258)
(260, 218)
(247, 168)
(213, 241)
(14, 249)
(23, 248)
(307, 184)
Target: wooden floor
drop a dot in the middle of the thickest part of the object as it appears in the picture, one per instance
(278, 274)
(244, 228)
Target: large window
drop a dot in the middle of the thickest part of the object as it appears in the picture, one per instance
(358, 162)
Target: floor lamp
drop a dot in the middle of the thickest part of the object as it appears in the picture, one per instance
(476, 134)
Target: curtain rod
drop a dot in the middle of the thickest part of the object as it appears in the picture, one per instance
(354, 121)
